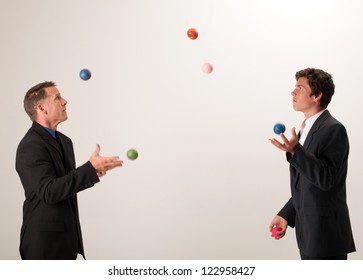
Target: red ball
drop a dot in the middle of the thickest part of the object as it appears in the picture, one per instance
(275, 230)
(192, 33)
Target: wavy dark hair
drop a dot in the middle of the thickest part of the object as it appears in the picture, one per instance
(319, 82)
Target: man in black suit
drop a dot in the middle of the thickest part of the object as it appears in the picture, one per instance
(45, 163)
(318, 158)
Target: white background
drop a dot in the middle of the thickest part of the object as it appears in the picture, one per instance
(207, 181)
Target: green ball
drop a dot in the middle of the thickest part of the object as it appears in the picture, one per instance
(132, 154)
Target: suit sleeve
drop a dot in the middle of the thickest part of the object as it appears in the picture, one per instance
(288, 213)
(39, 174)
(326, 166)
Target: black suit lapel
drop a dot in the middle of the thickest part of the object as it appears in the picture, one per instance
(56, 146)
(47, 137)
(67, 150)
(322, 118)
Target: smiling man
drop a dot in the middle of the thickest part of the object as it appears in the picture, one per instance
(45, 163)
(318, 158)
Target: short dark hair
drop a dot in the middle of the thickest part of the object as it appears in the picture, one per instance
(33, 96)
(320, 82)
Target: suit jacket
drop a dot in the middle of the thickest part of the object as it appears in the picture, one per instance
(317, 208)
(51, 227)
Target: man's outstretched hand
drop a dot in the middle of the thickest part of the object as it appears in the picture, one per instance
(103, 164)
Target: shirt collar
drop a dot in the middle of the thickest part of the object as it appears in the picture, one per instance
(52, 132)
(310, 121)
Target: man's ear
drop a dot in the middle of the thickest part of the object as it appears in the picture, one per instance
(41, 108)
(318, 97)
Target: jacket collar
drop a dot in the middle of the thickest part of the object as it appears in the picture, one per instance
(316, 126)
(39, 129)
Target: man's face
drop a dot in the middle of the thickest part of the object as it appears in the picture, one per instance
(301, 96)
(54, 106)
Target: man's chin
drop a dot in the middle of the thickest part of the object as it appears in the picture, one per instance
(64, 119)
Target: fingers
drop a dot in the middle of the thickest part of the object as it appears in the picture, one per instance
(293, 132)
(277, 144)
(287, 145)
(278, 227)
(271, 226)
(283, 137)
(105, 164)
(277, 231)
(111, 163)
(102, 164)
(274, 223)
(279, 236)
(97, 150)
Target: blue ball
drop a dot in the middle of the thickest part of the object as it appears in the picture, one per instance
(279, 128)
(85, 74)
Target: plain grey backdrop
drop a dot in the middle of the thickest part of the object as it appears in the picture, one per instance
(207, 181)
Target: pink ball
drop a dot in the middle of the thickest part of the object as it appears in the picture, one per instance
(207, 68)
(275, 230)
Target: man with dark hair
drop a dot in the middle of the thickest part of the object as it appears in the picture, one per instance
(318, 158)
(45, 163)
